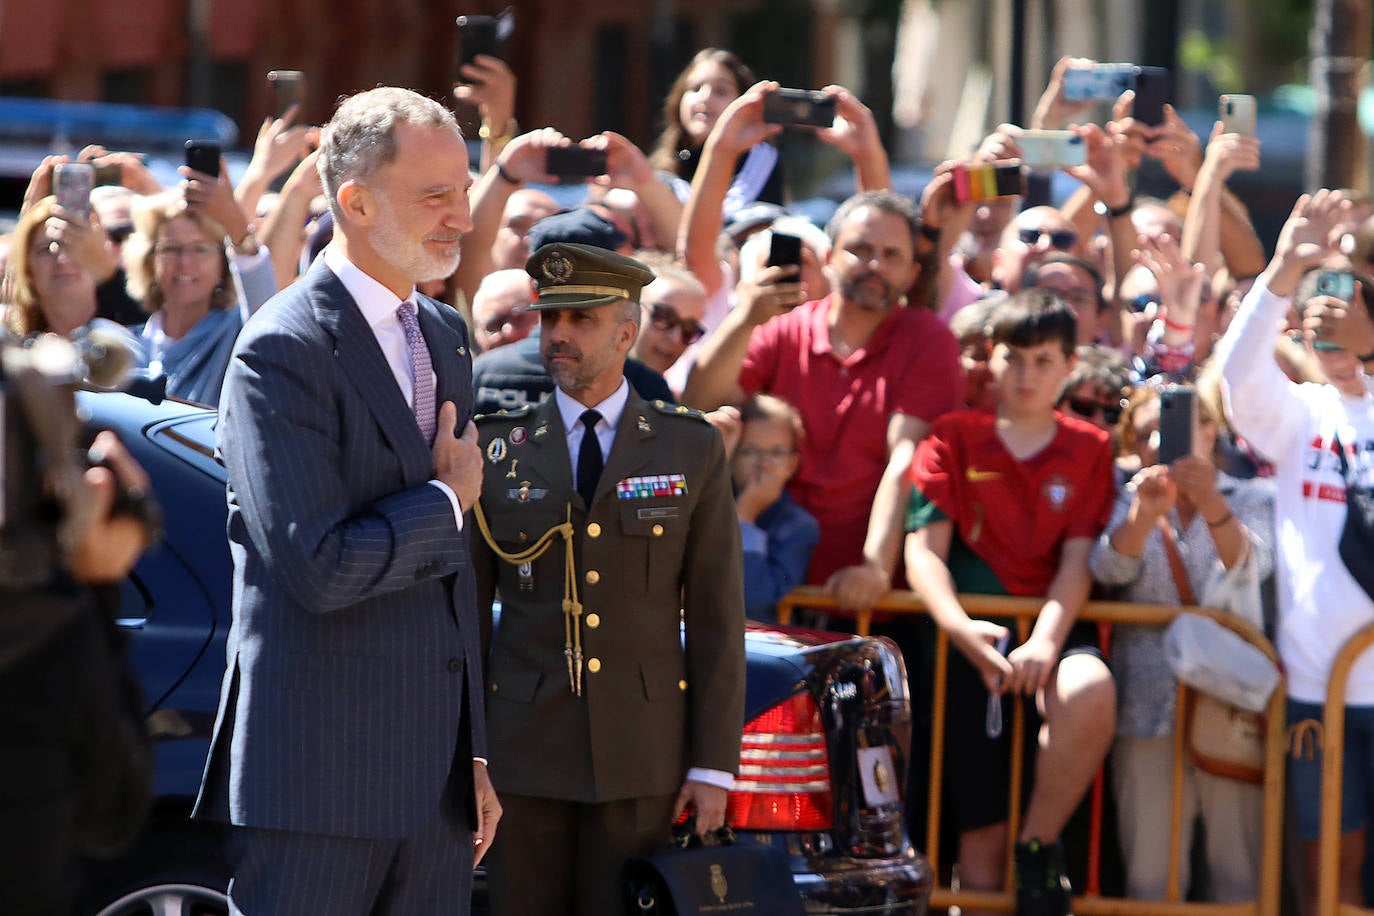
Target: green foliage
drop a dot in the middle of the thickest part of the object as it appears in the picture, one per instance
(1214, 59)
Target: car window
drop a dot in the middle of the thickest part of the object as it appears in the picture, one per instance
(193, 440)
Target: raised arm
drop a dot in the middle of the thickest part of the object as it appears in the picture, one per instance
(521, 161)
(739, 127)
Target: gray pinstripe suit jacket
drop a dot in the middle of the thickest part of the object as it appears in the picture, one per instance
(354, 635)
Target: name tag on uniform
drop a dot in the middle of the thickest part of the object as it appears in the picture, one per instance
(657, 512)
(652, 486)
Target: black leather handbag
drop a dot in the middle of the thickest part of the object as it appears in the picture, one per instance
(1357, 537)
(689, 878)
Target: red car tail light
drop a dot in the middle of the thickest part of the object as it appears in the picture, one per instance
(784, 778)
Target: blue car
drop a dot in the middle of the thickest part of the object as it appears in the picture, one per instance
(822, 766)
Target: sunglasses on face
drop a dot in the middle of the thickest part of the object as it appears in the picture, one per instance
(665, 318)
(1089, 408)
(1060, 239)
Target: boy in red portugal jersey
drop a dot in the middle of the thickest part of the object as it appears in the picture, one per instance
(1010, 500)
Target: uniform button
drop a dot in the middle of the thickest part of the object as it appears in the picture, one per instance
(658, 531)
(455, 665)
(593, 665)
(495, 688)
(593, 530)
(522, 537)
(593, 577)
(682, 685)
(593, 621)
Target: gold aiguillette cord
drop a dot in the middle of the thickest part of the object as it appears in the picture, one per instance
(572, 607)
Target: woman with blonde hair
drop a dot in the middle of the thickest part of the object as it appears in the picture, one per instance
(50, 283)
(199, 286)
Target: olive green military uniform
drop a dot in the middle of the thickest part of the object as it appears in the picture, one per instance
(595, 716)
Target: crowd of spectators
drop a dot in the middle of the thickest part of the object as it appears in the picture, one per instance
(948, 395)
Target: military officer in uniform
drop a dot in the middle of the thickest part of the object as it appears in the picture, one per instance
(615, 681)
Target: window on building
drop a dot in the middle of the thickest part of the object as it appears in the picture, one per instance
(125, 86)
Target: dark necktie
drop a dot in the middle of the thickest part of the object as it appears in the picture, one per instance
(589, 460)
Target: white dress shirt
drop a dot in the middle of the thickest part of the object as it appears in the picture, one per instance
(378, 305)
(610, 409)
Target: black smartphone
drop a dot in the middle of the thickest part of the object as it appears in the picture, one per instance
(1154, 86)
(574, 163)
(477, 35)
(800, 107)
(203, 156)
(110, 174)
(71, 185)
(1177, 420)
(288, 88)
(784, 250)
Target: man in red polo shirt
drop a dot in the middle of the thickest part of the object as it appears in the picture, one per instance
(868, 376)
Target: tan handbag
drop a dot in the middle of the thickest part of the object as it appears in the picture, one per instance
(1222, 739)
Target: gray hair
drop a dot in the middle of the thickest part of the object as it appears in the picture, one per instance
(361, 137)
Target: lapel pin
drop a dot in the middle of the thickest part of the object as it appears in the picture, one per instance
(462, 351)
(644, 426)
(496, 451)
(517, 436)
(541, 430)
(513, 463)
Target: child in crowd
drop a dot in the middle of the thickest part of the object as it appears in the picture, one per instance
(1313, 432)
(1010, 500)
(777, 534)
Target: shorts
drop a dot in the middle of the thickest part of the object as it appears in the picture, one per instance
(1357, 776)
(977, 769)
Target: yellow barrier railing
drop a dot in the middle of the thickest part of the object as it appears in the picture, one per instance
(1102, 612)
(1333, 766)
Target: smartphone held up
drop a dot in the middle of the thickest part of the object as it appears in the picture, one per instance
(71, 185)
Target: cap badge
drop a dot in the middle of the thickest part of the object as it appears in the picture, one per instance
(557, 267)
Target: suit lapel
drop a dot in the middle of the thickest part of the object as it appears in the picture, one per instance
(362, 363)
(629, 453)
(549, 453)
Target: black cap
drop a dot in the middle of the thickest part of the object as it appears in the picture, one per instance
(572, 276)
(578, 226)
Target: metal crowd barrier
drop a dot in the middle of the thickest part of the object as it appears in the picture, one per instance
(1333, 765)
(1092, 903)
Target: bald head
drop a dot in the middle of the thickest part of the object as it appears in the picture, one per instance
(524, 208)
(501, 309)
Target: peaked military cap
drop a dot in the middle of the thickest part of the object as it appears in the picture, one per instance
(573, 276)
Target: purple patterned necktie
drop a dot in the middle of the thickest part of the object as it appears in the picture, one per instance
(421, 371)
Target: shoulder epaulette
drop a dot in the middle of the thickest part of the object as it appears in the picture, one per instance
(678, 410)
(511, 414)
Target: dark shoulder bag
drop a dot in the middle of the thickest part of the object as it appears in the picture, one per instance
(1357, 537)
(688, 878)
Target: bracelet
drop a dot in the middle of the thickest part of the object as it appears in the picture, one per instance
(507, 176)
(1124, 209)
(1173, 326)
(1221, 521)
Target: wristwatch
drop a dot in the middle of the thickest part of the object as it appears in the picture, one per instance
(498, 141)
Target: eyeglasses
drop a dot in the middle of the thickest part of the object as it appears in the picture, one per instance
(1089, 408)
(1060, 239)
(665, 318)
(1142, 302)
(749, 453)
(198, 251)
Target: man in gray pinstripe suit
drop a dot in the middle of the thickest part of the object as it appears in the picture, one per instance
(349, 747)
